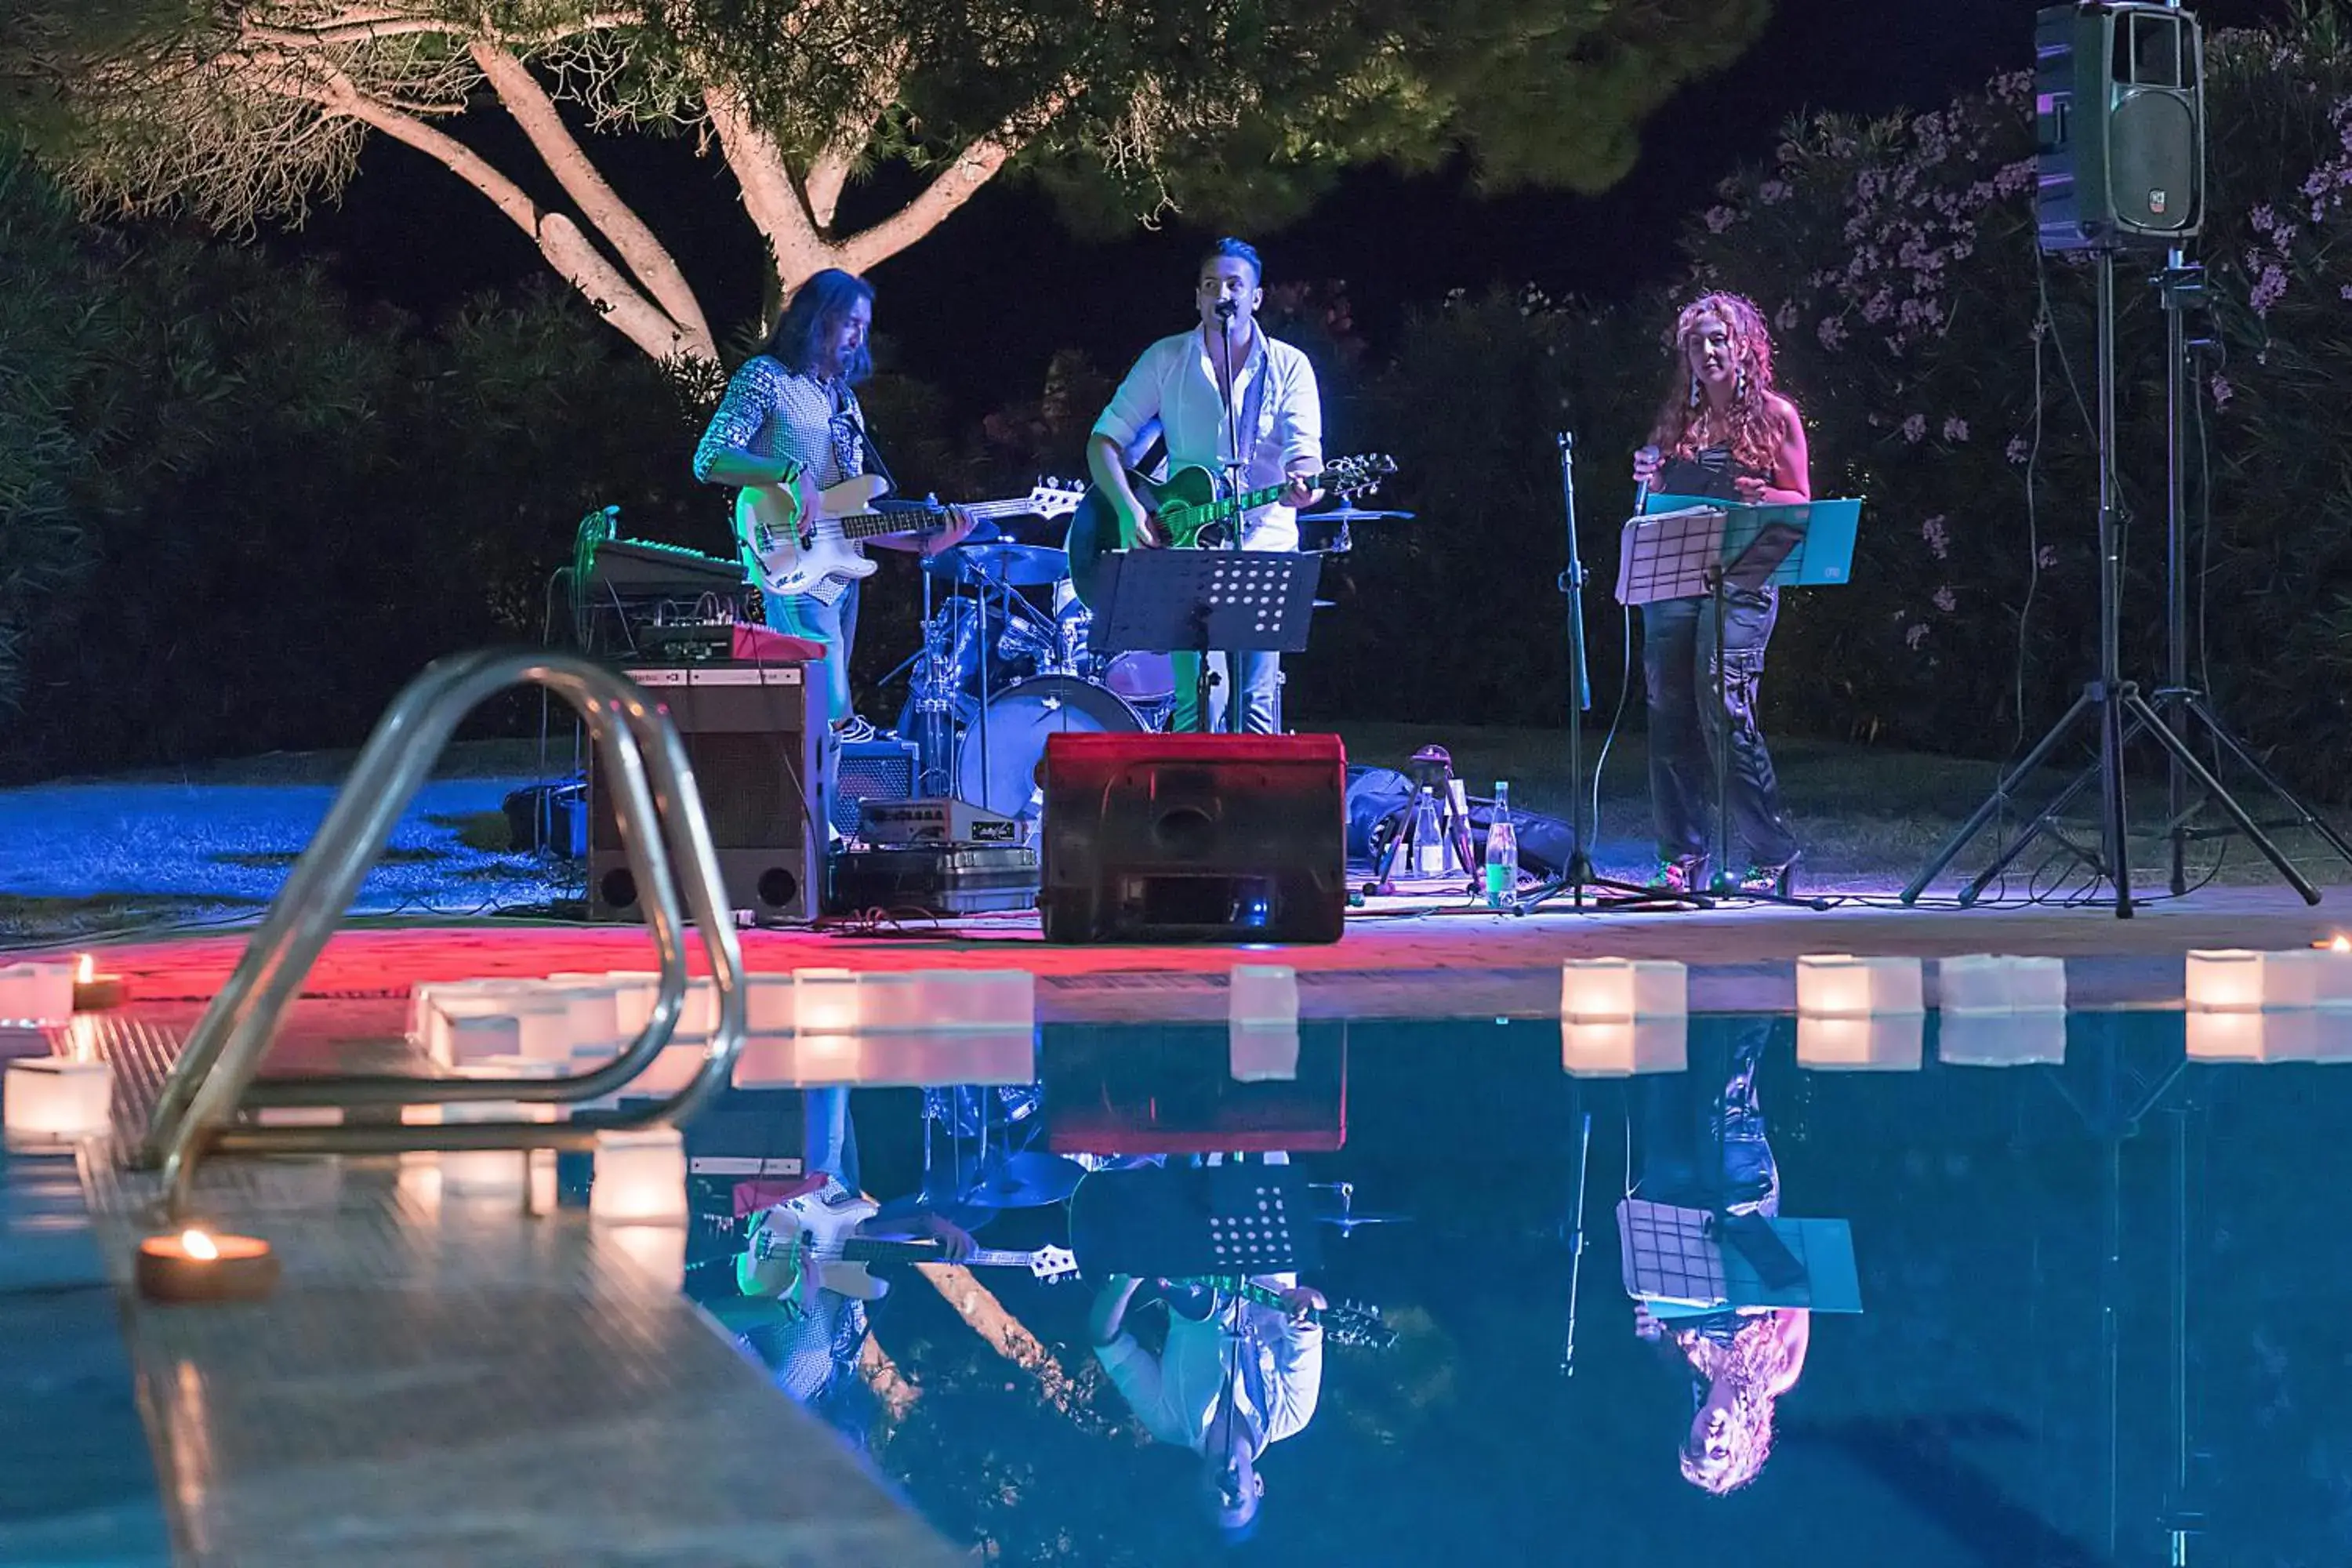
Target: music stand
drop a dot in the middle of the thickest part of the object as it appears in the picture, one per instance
(1204, 601)
(1689, 547)
(1180, 1222)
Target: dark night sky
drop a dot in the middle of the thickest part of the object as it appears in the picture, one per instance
(979, 305)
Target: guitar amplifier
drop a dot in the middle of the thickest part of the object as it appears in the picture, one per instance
(870, 770)
(754, 735)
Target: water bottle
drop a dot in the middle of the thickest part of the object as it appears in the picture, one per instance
(1502, 854)
(1428, 840)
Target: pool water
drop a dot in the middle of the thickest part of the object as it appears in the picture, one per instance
(2098, 1300)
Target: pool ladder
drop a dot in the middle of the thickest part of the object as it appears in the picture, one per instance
(199, 1113)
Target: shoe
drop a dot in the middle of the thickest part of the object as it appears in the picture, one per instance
(1683, 874)
(852, 730)
(1773, 880)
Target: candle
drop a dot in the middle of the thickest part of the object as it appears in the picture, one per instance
(59, 1096)
(93, 991)
(200, 1266)
(1609, 990)
(1839, 986)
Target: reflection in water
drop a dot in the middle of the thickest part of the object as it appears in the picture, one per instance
(1705, 1147)
(2094, 1296)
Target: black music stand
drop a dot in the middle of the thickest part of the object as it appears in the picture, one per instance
(1205, 601)
(1698, 552)
(1180, 1222)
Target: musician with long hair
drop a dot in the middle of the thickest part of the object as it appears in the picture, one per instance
(791, 423)
(1724, 431)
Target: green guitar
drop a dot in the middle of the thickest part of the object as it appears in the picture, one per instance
(1187, 513)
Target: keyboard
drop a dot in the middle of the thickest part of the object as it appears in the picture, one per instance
(650, 566)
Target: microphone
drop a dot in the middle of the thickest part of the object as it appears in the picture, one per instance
(1225, 309)
(1641, 486)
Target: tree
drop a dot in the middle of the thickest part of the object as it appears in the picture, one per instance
(251, 111)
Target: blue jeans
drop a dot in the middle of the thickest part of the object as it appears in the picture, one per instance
(1678, 667)
(828, 1138)
(1261, 679)
(835, 625)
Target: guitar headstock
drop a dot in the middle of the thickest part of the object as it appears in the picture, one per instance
(1052, 499)
(1356, 1323)
(1356, 476)
(1052, 1263)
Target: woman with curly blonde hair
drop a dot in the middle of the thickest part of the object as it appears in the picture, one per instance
(1727, 433)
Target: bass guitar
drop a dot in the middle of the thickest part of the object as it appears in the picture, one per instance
(804, 1244)
(1186, 511)
(797, 552)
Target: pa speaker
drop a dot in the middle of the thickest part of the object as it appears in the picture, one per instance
(2120, 117)
(1194, 837)
(755, 748)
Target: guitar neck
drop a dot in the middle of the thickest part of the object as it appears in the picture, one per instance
(873, 1249)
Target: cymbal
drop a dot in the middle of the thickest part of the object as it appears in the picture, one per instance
(1000, 563)
(1025, 1181)
(1350, 514)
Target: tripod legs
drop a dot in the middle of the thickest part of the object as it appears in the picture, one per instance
(2123, 715)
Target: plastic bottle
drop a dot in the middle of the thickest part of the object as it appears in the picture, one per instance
(1502, 854)
(1428, 840)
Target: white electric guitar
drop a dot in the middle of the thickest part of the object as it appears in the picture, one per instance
(797, 554)
(804, 1245)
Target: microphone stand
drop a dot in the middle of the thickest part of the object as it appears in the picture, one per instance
(1577, 876)
(1235, 695)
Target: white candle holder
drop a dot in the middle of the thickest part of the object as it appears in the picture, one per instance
(1841, 985)
(1607, 989)
(1999, 983)
(767, 1003)
(919, 1058)
(1999, 1039)
(59, 1096)
(2230, 979)
(33, 994)
(1262, 1053)
(1263, 993)
(1885, 1042)
(657, 1249)
(2248, 1035)
(825, 1001)
(1623, 1047)
(640, 1177)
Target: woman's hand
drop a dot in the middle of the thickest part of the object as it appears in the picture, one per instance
(1648, 464)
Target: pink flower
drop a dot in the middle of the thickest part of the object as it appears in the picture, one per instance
(1946, 600)
(2046, 556)
(1915, 429)
(1772, 192)
(1721, 218)
(1832, 333)
(2018, 450)
(1940, 542)
(1955, 428)
(2222, 389)
(1915, 634)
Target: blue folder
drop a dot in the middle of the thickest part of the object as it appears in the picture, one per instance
(1826, 554)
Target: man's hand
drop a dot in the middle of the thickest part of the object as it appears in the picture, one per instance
(1301, 1300)
(1135, 527)
(958, 529)
(955, 1242)
(1297, 491)
(1109, 1316)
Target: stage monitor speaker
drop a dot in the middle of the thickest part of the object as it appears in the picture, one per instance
(755, 746)
(1194, 837)
(2119, 116)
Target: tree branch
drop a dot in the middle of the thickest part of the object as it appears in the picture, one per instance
(775, 208)
(559, 240)
(956, 185)
(643, 254)
(829, 172)
(367, 26)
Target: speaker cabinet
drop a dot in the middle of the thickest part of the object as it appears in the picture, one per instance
(2120, 115)
(1194, 837)
(756, 747)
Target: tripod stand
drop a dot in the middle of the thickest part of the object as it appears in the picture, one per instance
(2115, 705)
(1585, 889)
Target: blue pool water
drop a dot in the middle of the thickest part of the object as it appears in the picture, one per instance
(2099, 1300)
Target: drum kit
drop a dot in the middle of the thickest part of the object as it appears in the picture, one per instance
(1005, 662)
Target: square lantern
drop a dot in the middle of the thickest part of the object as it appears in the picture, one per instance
(59, 1096)
(1601, 990)
(1999, 1039)
(1841, 985)
(1262, 1053)
(640, 1177)
(34, 994)
(1262, 993)
(1623, 1047)
(1999, 983)
(1885, 1042)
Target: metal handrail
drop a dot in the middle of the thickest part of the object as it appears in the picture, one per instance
(659, 823)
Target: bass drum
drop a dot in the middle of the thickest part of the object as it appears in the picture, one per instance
(1019, 720)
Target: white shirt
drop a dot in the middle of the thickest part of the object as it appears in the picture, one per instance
(1175, 1395)
(1173, 387)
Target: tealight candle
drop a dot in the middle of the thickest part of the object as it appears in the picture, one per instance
(93, 991)
(199, 1265)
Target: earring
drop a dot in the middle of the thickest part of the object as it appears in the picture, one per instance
(1694, 397)
(1739, 385)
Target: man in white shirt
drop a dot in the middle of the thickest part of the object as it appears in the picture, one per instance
(1202, 390)
(1225, 1385)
